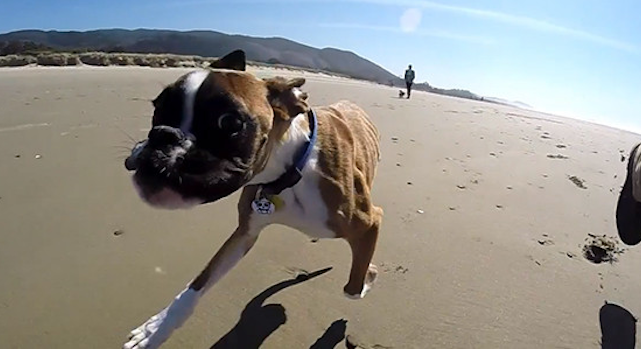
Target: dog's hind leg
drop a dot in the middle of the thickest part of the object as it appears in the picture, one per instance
(363, 273)
(158, 328)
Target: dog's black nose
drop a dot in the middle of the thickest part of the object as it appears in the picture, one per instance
(131, 164)
(165, 135)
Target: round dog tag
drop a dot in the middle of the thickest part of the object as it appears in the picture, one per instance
(263, 206)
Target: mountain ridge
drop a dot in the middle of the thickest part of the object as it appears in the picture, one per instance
(210, 43)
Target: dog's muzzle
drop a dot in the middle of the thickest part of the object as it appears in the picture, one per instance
(159, 137)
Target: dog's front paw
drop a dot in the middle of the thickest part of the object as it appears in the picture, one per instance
(370, 278)
(151, 334)
(159, 327)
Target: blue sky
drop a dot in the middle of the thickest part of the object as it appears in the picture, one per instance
(579, 58)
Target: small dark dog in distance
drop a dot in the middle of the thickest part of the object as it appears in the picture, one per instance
(401, 93)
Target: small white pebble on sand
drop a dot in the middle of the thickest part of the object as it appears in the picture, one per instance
(38, 156)
(420, 211)
(159, 270)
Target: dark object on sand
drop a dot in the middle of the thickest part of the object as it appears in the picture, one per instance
(401, 94)
(578, 182)
(601, 249)
(618, 327)
(628, 213)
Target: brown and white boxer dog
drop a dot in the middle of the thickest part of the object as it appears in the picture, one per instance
(220, 130)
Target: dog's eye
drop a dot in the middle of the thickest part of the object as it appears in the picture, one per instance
(231, 123)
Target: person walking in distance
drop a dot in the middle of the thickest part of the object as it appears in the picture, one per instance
(409, 80)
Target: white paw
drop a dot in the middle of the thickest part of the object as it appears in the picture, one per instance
(155, 331)
(151, 334)
(370, 278)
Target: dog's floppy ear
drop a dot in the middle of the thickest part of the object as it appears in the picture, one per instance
(285, 95)
(235, 60)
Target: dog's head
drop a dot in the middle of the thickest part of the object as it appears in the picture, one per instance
(211, 132)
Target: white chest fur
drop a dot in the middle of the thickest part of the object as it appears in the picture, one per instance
(302, 206)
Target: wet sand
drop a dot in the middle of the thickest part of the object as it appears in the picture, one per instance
(487, 210)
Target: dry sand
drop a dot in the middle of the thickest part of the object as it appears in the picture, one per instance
(481, 243)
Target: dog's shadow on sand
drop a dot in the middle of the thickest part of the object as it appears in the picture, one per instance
(618, 327)
(258, 321)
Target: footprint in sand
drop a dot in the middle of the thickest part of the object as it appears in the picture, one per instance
(296, 272)
(545, 241)
(599, 249)
(396, 269)
(561, 146)
(530, 257)
(557, 156)
(578, 182)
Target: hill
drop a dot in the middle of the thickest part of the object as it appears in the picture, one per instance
(515, 104)
(209, 44)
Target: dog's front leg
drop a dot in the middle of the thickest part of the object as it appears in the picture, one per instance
(159, 327)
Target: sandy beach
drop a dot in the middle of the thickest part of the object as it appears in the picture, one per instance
(487, 209)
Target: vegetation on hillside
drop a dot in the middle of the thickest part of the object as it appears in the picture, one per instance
(163, 48)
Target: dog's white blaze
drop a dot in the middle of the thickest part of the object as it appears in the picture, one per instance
(190, 86)
(304, 208)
